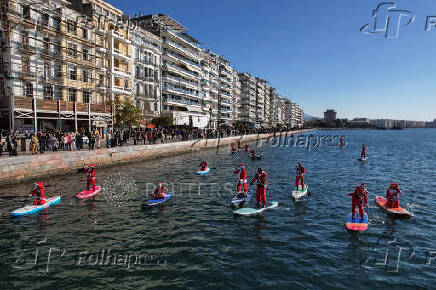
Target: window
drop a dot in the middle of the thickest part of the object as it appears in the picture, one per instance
(44, 19)
(72, 72)
(86, 97)
(25, 63)
(28, 90)
(71, 27)
(56, 47)
(48, 92)
(26, 12)
(57, 71)
(72, 95)
(72, 50)
(46, 72)
(57, 24)
(57, 92)
(86, 76)
(46, 43)
(84, 33)
(85, 53)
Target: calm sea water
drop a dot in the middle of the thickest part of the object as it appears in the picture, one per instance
(194, 241)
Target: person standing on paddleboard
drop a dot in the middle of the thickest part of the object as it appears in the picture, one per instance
(242, 179)
(160, 191)
(39, 191)
(239, 145)
(300, 171)
(358, 197)
(203, 165)
(233, 148)
(260, 177)
(247, 148)
(90, 179)
(363, 153)
(392, 194)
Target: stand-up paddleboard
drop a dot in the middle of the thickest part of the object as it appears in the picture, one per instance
(203, 172)
(363, 159)
(88, 193)
(240, 202)
(29, 209)
(250, 211)
(156, 202)
(256, 157)
(397, 211)
(357, 224)
(300, 192)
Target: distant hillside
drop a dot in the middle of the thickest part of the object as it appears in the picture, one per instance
(308, 117)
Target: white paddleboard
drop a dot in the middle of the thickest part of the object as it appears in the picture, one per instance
(299, 193)
(35, 208)
(250, 211)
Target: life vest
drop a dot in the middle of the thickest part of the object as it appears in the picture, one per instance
(261, 179)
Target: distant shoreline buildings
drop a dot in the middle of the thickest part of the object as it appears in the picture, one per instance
(330, 117)
(65, 62)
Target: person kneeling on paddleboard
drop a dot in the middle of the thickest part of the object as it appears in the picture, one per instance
(392, 194)
(203, 165)
(363, 154)
(242, 180)
(300, 170)
(247, 148)
(260, 177)
(358, 197)
(90, 180)
(159, 192)
(253, 153)
(39, 191)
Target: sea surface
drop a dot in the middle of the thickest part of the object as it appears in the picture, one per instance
(195, 242)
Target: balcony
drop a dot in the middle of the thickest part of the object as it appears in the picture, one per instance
(183, 60)
(26, 48)
(118, 53)
(180, 81)
(188, 52)
(190, 93)
(178, 69)
(121, 72)
(119, 36)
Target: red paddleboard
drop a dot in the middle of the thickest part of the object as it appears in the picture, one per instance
(88, 193)
(397, 211)
(356, 224)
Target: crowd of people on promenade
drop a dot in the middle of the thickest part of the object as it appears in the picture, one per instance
(47, 140)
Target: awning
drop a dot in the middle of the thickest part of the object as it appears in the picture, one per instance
(195, 109)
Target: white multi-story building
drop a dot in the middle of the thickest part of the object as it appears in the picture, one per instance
(146, 70)
(260, 102)
(225, 92)
(248, 98)
(236, 102)
(182, 95)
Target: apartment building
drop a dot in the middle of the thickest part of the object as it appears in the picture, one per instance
(225, 92)
(236, 101)
(146, 57)
(182, 96)
(260, 102)
(210, 86)
(248, 106)
(269, 94)
(48, 68)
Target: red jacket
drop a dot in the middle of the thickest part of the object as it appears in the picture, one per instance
(242, 173)
(300, 170)
(39, 192)
(360, 194)
(260, 178)
(159, 190)
(204, 164)
(91, 173)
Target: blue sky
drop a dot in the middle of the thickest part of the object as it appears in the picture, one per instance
(313, 51)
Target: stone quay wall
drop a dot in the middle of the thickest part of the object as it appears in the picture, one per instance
(28, 167)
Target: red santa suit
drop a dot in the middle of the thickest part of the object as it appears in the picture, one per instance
(203, 165)
(40, 194)
(260, 178)
(160, 191)
(239, 144)
(242, 178)
(358, 197)
(300, 170)
(392, 194)
(363, 154)
(90, 180)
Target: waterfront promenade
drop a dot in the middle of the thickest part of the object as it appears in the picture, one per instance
(27, 167)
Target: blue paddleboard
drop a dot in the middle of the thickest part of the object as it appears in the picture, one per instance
(238, 202)
(356, 224)
(29, 209)
(200, 172)
(363, 159)
(156, 202)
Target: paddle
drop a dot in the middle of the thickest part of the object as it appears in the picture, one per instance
(27, 196)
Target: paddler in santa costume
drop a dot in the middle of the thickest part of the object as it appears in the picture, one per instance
(203, 165)
(39, 191)
(358, 197)
(90, 178)
(242, 181)
(160, 191)
(392, 194)
(260, 177)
